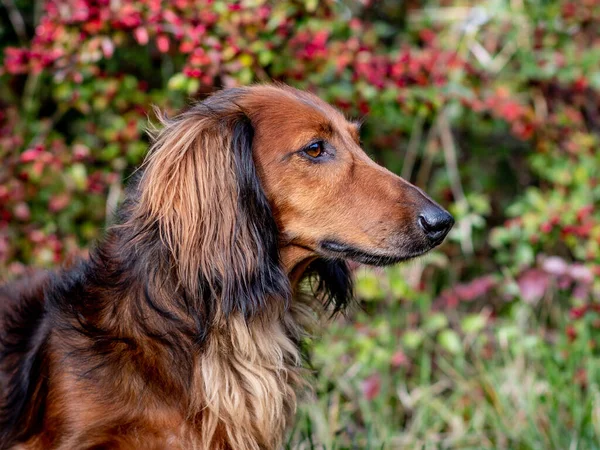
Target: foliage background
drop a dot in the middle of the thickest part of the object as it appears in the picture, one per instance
(493, 107)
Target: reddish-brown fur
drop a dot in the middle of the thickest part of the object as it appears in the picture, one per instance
(182, 330)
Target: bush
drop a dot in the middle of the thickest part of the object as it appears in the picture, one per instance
(494, 110)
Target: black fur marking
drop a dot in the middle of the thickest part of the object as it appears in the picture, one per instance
(269, 280)
(331, 281)
(22, 369)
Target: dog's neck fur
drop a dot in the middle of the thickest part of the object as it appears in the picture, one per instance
(295, 261)
(234, 390)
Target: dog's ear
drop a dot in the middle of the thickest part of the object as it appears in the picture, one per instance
(331, 282)
(256, 233)
(201, 192)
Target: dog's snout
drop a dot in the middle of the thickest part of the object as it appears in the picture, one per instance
(435, 222)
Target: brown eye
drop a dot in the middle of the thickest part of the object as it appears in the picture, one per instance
(315, 149)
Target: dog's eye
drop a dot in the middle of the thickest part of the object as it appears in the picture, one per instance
(315, 149)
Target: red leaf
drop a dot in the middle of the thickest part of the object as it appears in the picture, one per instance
(533, 284)
(555, 265)
(371, 386)
(141, 35)
(31, 154)
(162, 42)
(21, 211)
(399, 359)
(108, 47)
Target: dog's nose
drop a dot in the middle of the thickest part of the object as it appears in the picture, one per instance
(435, 222)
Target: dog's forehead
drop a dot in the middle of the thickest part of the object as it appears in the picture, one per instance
(324, 109)
(303, 109)
(331, 116)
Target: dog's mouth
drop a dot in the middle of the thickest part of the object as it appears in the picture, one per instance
(338, 250)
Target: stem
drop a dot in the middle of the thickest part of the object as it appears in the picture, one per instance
(413, 146)
(449, 148)
(30, 101)
(16, 20)
(431, 147)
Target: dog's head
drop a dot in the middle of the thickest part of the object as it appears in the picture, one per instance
(327, 195)
(256, 184)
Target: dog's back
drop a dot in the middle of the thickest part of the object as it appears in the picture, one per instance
(23, 334)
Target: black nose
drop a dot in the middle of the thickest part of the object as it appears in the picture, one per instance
(435, 222)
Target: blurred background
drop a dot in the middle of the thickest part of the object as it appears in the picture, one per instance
(493, 107)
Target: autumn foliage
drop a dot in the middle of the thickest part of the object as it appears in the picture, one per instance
(493, 110)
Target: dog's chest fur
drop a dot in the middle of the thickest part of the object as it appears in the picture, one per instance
(241, 395)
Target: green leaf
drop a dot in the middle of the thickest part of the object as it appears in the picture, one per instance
(368, 286)
(435, 322)
(78, 174)
(412, 339)
(450, 341)
(473, 323)
(177, 82)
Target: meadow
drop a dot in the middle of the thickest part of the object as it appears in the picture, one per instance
(492, 341)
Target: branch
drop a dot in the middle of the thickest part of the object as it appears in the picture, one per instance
(457, 190)
(16, 20)
(413, 146)
(431, 148)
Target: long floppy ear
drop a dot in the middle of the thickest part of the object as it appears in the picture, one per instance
(201, 191)
(331, 282)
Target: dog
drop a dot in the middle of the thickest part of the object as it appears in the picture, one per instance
(183, 328)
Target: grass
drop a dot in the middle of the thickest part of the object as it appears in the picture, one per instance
(395, 374)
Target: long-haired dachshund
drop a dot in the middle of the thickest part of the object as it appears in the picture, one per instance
(182, 330)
